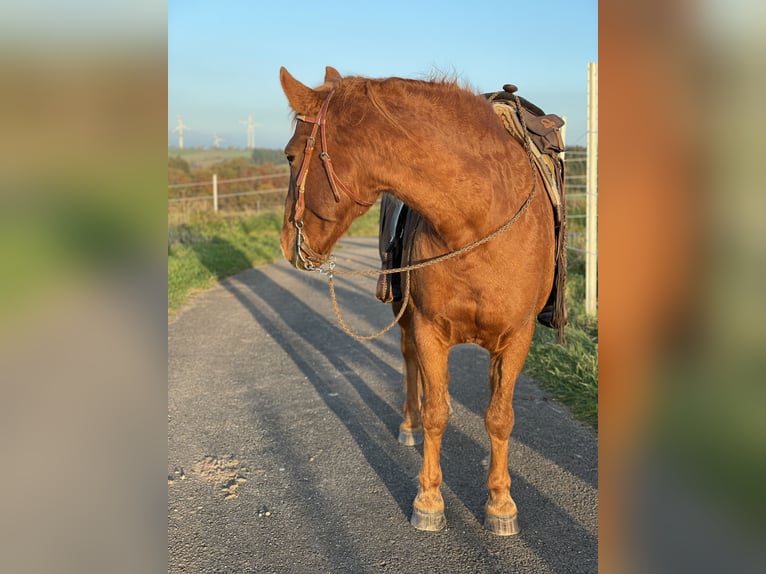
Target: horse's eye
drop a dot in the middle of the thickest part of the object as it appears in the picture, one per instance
(290, 159)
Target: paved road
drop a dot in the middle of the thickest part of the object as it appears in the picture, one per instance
(282, 450)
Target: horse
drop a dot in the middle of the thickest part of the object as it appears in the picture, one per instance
(440, 148)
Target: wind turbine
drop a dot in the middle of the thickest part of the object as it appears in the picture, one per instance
(250, 131)
(180, 129)
(217, 140)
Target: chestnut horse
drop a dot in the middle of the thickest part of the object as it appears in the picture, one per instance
(440, 149)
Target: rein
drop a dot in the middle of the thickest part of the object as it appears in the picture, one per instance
(328, 269)
(327, 262)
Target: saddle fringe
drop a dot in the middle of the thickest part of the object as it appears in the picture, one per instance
(560, 313)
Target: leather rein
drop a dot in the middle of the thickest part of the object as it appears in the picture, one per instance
(313, 260)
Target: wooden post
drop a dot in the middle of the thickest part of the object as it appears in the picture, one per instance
(591, 213)
(215, 192)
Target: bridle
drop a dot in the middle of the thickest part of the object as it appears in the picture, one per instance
(313, 260)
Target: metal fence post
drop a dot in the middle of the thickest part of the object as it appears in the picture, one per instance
(591, 213)
(563, 132)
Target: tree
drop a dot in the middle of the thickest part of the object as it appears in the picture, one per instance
(274, 156)
(178, 163)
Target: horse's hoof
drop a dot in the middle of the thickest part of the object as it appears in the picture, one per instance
(502, 525)
(410, 437)
(430, 521)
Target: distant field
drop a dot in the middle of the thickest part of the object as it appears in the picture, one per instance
(202, 158)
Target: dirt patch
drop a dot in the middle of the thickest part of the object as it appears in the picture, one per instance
(226, 473)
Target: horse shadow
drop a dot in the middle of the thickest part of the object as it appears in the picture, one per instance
(323, 339)
(220, 257)
(301, 330)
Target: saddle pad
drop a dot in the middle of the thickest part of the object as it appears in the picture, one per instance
(549, 165)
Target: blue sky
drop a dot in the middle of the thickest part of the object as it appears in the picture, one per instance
(224, 56)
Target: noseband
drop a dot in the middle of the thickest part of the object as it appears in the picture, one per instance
(314, 260)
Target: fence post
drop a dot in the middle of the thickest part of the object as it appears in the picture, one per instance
(591, 212)
(215, 192)
(563, 132)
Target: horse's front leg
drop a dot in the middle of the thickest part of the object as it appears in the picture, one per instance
(432, 359)
(411, 429)
(505, 366)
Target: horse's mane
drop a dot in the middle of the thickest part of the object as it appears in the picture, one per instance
(435, 89)
(378, 105)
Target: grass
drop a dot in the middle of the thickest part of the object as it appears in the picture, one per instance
(210, 248)
(570, 372)
(368, 225)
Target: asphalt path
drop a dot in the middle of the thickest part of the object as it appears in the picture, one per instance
(283, 453)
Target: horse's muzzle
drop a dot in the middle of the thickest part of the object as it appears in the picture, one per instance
(287, 243)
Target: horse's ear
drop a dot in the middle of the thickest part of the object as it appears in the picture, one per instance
(331, 75)
(302, 99)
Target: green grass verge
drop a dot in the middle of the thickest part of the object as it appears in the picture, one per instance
(368, 225)
(203, 252)
(569, 372)
(212, 248)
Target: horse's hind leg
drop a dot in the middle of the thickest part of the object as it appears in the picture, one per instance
(411, 429)
(432, 355)
(505, 366)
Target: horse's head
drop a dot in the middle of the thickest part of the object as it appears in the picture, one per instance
(324, 195)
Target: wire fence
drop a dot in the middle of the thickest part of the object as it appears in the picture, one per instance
(253, 194)
(227, 197)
